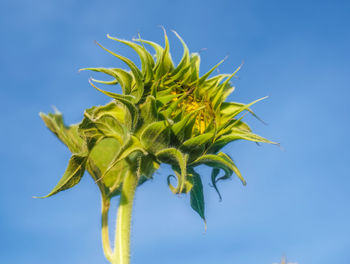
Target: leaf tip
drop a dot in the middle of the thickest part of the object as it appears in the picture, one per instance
(40, 197)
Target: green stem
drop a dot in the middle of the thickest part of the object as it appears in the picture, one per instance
(121, 254)
(105, 232)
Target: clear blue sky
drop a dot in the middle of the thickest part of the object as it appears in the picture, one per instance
(297, 198)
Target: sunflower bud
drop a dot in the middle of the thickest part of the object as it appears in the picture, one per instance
(163, 114)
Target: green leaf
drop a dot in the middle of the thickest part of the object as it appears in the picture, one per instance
(156, 136)
(220, 161)
(68, 135)
(233, 167)
(236, 134)
(72, 175)
(174, 157)
(197, 197)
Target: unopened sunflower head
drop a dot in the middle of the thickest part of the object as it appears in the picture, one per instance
(164, 113)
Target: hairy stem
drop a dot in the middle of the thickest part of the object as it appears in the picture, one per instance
(121, 253)
(105, 232)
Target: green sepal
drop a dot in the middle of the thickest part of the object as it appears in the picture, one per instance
(230, 110)
(233, 123)
(185, 60)
(179, 128)
(114, 95)
(174, 157)
(89, 132)
(196, 145)
(148, 110)
(232, 167)
(101, 156)
(202, 79)
(221, 161)
(139, 88)
(72, 175)
(112, 128)
(67, 135)
(116, 109)
(132, 146)
(122, 77)
(163, 100)
(169, 109)
(236, 134)
(147, 166)
(156, 136)
(187, 185)
(214, 174)
(195, 62)
(133, 112)
(111, 120)
(158, 49)
(165, 64)
(145, 57)
(210, 85)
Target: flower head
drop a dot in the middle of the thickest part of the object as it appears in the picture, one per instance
(164, 113)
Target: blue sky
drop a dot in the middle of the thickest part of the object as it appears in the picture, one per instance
(296, 201)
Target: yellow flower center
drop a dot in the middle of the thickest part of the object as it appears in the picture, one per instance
(204, 115)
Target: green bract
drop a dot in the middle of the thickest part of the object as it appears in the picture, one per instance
(164, 113)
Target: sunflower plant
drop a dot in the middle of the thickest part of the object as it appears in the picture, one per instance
(164, 113)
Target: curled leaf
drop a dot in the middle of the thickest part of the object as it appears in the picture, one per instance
(176, 158)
